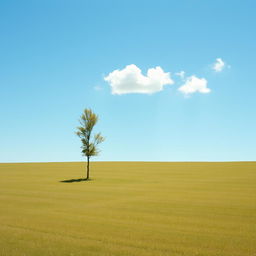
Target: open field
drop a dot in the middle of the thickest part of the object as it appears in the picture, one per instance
(128, 209)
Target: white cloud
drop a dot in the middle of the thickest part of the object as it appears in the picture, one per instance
(194, 84)
(219, 65)
(181, 74)
(131, 80)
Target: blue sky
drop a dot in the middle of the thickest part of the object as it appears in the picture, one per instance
(55, 56)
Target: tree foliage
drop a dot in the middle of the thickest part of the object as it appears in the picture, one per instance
(89, 143)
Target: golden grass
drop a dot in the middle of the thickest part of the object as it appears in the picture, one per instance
(128, 209)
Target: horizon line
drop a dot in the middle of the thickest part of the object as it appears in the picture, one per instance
(130, 161)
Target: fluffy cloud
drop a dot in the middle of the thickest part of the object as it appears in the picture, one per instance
(194, 84)
(219, 65)
(131, 80)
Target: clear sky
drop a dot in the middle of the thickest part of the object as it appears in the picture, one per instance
(58, 57)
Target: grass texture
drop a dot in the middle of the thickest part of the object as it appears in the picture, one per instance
(128, 209)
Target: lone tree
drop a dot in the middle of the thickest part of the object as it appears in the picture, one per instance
(89, 145)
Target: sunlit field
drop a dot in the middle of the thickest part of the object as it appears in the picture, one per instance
(128, 209)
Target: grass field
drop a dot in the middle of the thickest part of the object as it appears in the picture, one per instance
(128, 209)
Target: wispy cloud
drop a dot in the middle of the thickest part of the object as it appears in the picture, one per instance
(194, 84)
(97, 88)
(219, 65)
(131, 80)
(181, 74)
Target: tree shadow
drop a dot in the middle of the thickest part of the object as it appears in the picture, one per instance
(74, 180)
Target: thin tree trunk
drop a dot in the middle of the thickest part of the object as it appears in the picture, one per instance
(88, 167)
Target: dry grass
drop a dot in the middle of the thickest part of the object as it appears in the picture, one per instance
(128, 209)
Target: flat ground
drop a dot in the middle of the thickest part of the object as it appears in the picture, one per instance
(128, 209)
